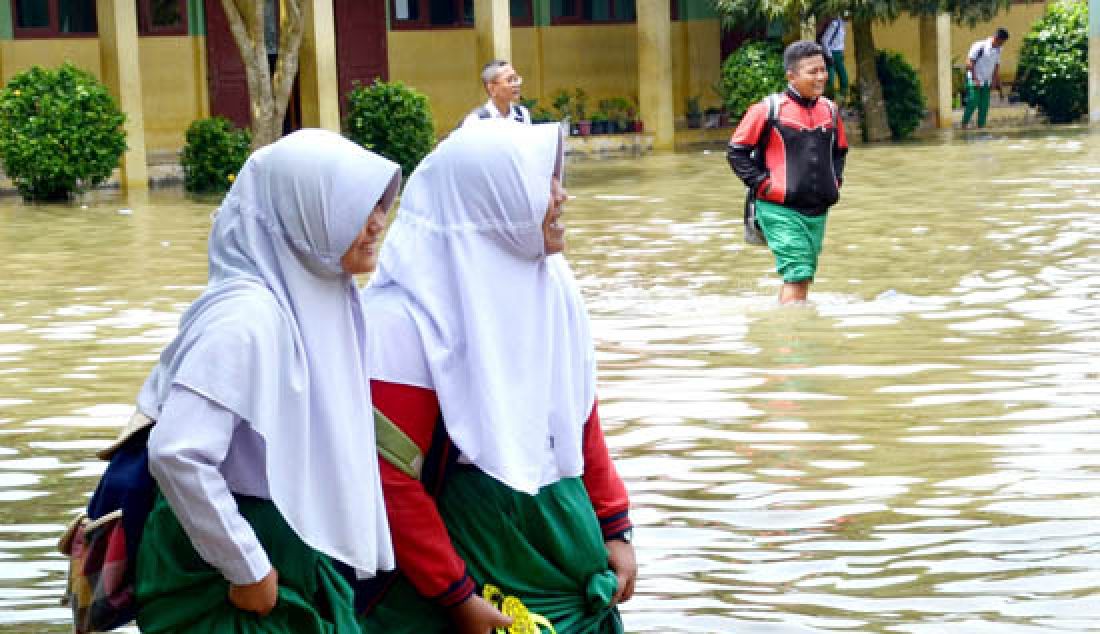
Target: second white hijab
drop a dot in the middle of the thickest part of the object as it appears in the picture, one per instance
(503, 325)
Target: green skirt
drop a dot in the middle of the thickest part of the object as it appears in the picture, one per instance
(795, 239)
(547, 550)
(179, 592)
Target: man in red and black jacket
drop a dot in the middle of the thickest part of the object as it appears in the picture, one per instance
(789, 150)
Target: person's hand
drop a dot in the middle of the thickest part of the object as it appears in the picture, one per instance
(477, 616)
(259, 597)
(620, 556)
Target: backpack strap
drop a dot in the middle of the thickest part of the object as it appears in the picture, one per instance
(396, 447)
(772, 103)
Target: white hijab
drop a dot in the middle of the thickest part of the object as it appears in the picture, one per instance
(503, 325)
(278, 337)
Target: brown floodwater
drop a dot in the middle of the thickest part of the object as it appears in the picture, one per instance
(916, 451)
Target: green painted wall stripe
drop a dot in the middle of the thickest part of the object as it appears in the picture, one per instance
(541, 10)
(6, 32)
(697, 10)
(196, 18)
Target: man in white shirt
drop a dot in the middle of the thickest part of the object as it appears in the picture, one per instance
(832, 40)
(502, 83)
(983, 66)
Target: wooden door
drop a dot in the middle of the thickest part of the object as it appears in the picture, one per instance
(225, 70)
(360, 44)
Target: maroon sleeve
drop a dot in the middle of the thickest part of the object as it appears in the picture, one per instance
(421, 544)
(605, 487)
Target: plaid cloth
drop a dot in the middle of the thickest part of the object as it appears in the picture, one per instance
(102, 543)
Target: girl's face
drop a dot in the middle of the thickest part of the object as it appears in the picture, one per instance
(553, 231)
(362, 255)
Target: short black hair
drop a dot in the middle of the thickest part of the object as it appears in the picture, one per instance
(1002, 33)
(799, 51)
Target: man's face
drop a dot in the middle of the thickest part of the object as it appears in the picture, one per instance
(506, 85)
(809, 76)
(998, 42)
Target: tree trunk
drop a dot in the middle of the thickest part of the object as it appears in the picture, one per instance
(875, 125)
(268, 96)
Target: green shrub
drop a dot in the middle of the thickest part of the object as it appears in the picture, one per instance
(60, 132)
(392, 120)
(901, 90)
(214, 153)
(749, 74)
(1053, 70)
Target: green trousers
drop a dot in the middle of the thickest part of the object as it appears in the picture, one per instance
(795, 239)
(546, 549)
(178, 592)
(977, 98)
(837, 70)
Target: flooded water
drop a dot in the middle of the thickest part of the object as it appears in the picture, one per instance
(915, 452)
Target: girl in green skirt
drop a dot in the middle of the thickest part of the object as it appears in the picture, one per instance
(264, 468)
(484, 363)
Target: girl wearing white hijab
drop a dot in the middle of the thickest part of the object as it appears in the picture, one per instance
(260, 449)
(483, 358)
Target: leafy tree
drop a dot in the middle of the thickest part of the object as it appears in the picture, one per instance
(60, 132)
(268, 93)
(393, 120)
(213, 155)
(749, 74)
(902, 91)
(1053, 70)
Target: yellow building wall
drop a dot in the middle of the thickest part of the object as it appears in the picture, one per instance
(696, 62)
(601, 59)
(173, 78)
(173, 88)
(442, 64)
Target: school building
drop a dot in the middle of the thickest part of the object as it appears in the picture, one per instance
(173, 61)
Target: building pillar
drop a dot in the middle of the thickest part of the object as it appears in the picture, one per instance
(1094, 61)
(493, 23)
(121, 67)
(655, 87)
(318, 82)
(935, 67)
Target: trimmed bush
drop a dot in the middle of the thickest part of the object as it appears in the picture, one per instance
(901, 90)
(215, 151)
(60, 132)
(749, 74)
(1053, 71)
(392, 120)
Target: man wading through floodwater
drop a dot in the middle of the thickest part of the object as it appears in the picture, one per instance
(789, 150)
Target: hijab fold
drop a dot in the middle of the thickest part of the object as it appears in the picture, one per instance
(279, 337)
(502, 324)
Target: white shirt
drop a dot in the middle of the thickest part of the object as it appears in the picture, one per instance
(200, 454)
(496, 114)
(985, 58)
(833, 38)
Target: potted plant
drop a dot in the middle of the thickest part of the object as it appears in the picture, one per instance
(563, 103)
(618, 110)
(694, 112)
(713, 117)
(580, 107)
(600, 123)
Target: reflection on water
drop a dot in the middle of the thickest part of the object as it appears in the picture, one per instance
(913, 453)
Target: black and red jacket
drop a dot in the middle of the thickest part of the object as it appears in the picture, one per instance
(802, 162)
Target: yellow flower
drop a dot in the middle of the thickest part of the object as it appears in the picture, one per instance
(231, 178)
(18, 93)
